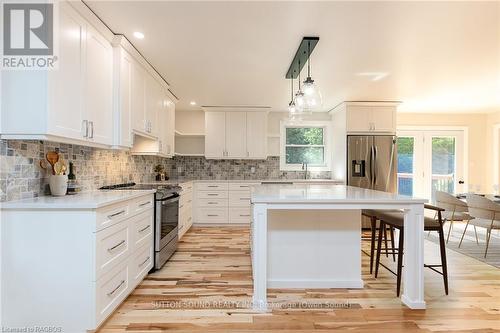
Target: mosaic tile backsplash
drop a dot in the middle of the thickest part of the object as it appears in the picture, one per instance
(21, 176)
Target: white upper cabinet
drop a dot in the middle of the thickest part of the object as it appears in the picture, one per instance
(122, 110)
(137, 97)
(256, 133)
(215, 134)
(236, 138)
(99, 88)
(169, 135)
(72, 103)
(236, 135)
(369, 117)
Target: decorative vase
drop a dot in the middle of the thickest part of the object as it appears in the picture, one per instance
(58, 185)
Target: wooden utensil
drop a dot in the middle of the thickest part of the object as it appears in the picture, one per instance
(52, 157)
(59, 168)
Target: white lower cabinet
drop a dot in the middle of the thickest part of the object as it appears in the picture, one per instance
(74, 265)
(185, 208)
(222, 202)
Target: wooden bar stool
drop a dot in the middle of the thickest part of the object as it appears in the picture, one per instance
(395, 219)
(371, 214)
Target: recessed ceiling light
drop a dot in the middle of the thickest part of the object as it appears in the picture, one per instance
(192, 103)
(138, 35)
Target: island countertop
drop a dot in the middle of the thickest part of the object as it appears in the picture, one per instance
(315, 193)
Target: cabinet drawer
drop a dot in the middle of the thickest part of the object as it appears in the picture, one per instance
(239, 198)
(211, 194)
(142, 229)
(112, 214)
(112, 246)
(241, 186)
(239, 215)
(141, 263)
(142, 204)
(111, 290)
(215, 202)
(222, 186)
(211, 215)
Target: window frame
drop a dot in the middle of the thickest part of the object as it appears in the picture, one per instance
(327, 134)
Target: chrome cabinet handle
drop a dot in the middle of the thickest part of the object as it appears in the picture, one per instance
(117, 287)
(145, 261)
(145, 228)
(91, 129)
(212, 194)
(244, 186)
(212, 215)
(212, 203)
(244, 215)
(85, 127)
(144, 203)
(244, 198)
(116, 214)
(117, 245)
(213, 186)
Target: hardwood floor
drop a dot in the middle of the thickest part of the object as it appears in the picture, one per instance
(207, 286)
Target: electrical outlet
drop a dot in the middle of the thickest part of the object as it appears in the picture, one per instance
(252, 169)
(179, 169)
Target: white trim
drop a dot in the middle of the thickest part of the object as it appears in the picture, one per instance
(327, 134)
(496, 156)
(319, 283)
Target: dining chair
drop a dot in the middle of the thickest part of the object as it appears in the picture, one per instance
(455, 211)
(486, 215)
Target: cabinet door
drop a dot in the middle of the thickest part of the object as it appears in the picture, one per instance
(359, 118)
(99, 87)
(257, 135)
(215, 134)
(66, 83)
(170, 135)
(137, 97)
(236, 135)
(383, 119)
(163, 129)
(153, 104)
(124, 99)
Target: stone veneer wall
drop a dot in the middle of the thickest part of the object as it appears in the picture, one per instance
(21, 176)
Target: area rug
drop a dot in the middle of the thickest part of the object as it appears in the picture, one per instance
(469, 246)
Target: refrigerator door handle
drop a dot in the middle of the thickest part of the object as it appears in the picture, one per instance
(371, 167)
(375, 152)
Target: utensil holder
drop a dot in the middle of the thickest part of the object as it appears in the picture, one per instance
(58, 185)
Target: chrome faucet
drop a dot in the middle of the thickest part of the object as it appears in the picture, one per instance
(304, 167)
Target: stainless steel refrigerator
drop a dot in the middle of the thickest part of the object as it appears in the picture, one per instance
(372, 162)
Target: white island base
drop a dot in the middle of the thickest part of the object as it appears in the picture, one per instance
(314, 249)
(309, 236)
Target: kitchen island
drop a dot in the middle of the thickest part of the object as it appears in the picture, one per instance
(309, 236)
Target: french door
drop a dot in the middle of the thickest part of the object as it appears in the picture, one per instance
(430, 161)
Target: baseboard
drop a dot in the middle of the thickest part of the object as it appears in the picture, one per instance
(354, 284)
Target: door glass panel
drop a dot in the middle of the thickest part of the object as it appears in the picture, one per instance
(406, 150)
(443, 165)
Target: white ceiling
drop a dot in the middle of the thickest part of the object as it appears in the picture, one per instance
(438, 56)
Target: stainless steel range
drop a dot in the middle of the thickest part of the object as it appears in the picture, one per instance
(166, 217)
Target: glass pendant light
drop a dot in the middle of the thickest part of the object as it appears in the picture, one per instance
(293, 113)
(299, 97)
(312, 96)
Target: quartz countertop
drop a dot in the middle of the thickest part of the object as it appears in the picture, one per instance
(315, 193)
(185, 180)
(83, 200)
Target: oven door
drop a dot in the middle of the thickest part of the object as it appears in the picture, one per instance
(167, 220)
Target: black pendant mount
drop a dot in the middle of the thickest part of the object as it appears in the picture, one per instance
(305, 49)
